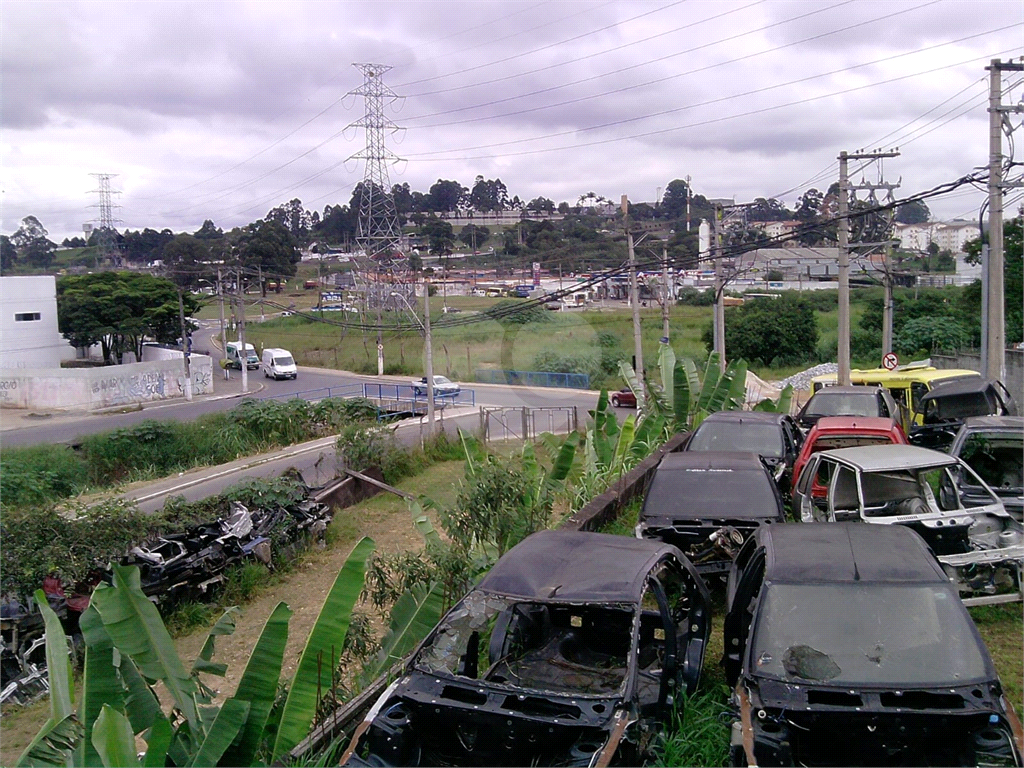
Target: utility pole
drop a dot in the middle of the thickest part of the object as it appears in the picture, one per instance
(688, 196)
(430, 358)
(263, 290)
(223, 333)
(719, 329)
(665, 291)
(638, 348)
(995, 320)
(243, 355)
(184, 346)
(887, 302)
(845, 189)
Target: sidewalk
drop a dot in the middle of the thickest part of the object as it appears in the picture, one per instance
(18, 418)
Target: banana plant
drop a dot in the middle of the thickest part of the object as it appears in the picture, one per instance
(128, 650)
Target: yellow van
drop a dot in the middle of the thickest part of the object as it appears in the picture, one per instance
(908, 384)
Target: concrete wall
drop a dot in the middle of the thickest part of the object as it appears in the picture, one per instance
(972, 361)
(28, 324)
(92, 388)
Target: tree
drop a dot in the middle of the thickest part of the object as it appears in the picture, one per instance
(146, 245)
(337, 225)
(542, 205)
(119, 311)
(808, 213)
(768, 210)
(293, 217)
(33, 243)
(8, 253)
(563, 208)
(489, 195)
(913, 212)
(1013, 281)
(73, 242)
(270, 246)
(209, 231)
(440, 235)
(767, 329)
(474, 236)
(931, 334)
(673, 202)
(446, 196)
(184, 258)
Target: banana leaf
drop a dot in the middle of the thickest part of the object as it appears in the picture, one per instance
(158, 741)
(225, 626)
(667, 365)
(564, 460)
(720, 395)
(327, 637)
(475, 454)
(785, 399)
(648, 433)
(738, 391)
(138, 631)
(414, 614)
(100, 684)
(222, 732)
(710, 381)
(54, 745)
(683, 392)
(113, 739)
(624, 443)
(258, 686)
(140, 704)
(421, 522)
(591, 464)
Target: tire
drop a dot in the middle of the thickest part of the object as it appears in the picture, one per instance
(615, 401)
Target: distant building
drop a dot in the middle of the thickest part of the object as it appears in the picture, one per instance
(28, 324)
(950, 236)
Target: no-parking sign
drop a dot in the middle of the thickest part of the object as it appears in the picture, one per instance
(890, 361)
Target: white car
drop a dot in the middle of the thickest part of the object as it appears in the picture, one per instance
(442, 386)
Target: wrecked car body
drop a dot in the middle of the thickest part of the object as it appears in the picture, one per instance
(980, 545)
(946, 407)
(707, 503)
(993, 446)
(846, 645)
(569, 652)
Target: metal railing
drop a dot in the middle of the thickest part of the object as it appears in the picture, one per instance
(524, 423)
(323, 393)
(534, 378)
(407, 393)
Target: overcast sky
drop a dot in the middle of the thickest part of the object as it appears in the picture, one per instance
(223, 110)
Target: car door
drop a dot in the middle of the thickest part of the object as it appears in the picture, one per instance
(744, 592)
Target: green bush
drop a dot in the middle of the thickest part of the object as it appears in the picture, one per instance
(37, 475)
(362, 446)
(517, 312)
(694, 297)
(767, 330)
(559, 362)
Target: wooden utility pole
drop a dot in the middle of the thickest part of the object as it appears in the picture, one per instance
(995, 320)
(184, 345)
(638, 347)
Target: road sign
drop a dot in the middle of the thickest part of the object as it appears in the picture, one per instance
(890, 361)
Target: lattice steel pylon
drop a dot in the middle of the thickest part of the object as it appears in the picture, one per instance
(106, 235)
(379, 234)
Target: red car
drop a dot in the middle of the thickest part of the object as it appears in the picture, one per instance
(846, 432)
(624, 398)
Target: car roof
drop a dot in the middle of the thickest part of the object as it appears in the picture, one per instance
(848, 424)
(682, 460)
(759, 417)
(966, 386)
(847, 552)
(577, 566)
(878, 458)
(994, 422)
(850, 390)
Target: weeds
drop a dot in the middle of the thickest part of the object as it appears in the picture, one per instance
(698, 732)
(188, 617)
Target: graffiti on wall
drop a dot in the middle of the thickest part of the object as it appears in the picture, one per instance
(8, 390)
(130, 388)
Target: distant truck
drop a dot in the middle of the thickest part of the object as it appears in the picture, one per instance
(279, 364)
(233, 349)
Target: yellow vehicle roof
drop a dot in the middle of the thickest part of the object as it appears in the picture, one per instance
(925, 375)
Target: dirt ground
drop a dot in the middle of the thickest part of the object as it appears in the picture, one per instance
(385, 518)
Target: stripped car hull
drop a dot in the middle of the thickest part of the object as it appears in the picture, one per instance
(567, 681)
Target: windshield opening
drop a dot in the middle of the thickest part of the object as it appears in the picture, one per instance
(997, 457)
(286, 360)
(865, 633)
(537, 646)
(843, 404)
(759, 438)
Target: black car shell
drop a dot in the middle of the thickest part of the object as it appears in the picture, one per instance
(945, 408)
(848, 401)
(569, 652)
(707, 503)
(993, 446)
(775, 437)
(855, 630)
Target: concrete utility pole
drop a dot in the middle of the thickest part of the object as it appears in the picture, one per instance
(243, 356)
(844, 272)
(634, 300)
(719, 329)
(845, 189)
(995, 320)
(184, 345)
(887, 302)
(430, 358)
(666, 292)
(223, 335)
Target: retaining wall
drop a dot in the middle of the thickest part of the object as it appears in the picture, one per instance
(107, 387)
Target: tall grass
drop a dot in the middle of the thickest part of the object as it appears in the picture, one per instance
(698, 732)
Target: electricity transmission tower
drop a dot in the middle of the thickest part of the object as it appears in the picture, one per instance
(106, 235)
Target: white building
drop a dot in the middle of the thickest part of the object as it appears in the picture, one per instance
(28, 324)
(913, 237)
(953, 236)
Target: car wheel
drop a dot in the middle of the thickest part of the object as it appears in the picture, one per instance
(615, 400)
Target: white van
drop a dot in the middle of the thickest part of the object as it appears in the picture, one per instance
(233, 349)
(279, 364)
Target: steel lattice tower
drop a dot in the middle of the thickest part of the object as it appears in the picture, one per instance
(107, 235)
(379, 234)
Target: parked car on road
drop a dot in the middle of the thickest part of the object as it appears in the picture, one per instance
(993, 446)
(946, 406)
(570, 651)
(442, 386)
(775, 437)
(707, 504)
(848, 401)
(979, 543)
(624, 398)
(846, 432)
(846, 645)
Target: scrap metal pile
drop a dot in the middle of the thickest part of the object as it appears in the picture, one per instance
(173, 568)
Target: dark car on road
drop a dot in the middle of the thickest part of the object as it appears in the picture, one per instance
(708, 503)
(993, 446)
(775, 437)
(624, 398)
(847, 645)
(570, 651)
(946, 406)
(848, 401)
